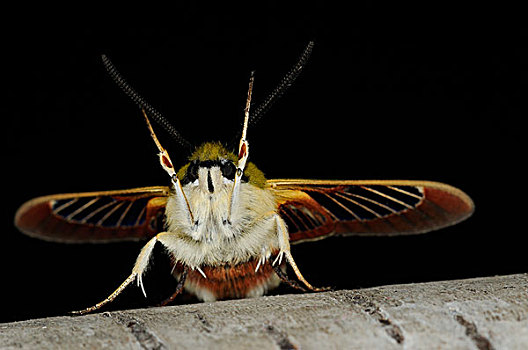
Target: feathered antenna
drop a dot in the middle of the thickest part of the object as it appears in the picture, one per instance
(142, 104)
(283, 85)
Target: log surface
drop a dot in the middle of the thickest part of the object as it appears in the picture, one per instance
(480, 313)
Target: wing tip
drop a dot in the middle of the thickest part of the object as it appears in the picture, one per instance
(466, 207)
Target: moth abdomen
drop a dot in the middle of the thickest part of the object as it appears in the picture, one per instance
(230, 281)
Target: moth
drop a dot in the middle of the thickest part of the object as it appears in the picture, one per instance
(227, 229)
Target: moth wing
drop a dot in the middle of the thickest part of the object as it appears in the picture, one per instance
(122, 215)
(316, 209)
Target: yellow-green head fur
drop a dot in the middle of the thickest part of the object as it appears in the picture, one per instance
(216, 151)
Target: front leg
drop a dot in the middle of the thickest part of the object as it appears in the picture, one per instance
(140, 267)
(284, 245)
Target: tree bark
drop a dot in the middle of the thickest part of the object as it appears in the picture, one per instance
(480, 313)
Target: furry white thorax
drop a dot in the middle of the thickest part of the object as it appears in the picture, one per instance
(213, 238)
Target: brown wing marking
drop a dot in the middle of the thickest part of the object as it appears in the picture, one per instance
(315, 209)
(121, 215)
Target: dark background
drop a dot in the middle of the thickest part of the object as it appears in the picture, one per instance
(413, 97)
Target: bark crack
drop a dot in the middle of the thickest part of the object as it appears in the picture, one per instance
(280, 338)
(481, 342)
(147, 339)
(374, 311)
(206, 325)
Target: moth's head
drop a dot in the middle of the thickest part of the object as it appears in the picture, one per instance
(210, 163)
(213, 155)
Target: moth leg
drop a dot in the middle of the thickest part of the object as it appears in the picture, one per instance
(179, 288)
(139, 268)
(284, 278)
(284, 244)
(109, 299)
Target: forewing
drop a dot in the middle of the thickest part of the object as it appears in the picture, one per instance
(315, 209)
(122, 215)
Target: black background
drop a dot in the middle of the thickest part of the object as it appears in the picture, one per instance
(413, 97)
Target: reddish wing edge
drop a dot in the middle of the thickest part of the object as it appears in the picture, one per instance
(316, 209)
(94, 217)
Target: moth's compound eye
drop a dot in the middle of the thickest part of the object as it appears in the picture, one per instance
(192, 172)
(228, 170)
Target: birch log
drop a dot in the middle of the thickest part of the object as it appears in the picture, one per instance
(480, 313)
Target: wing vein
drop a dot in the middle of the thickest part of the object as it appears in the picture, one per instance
(66, 205)
(359, 205)
(107, 215)
(371, 201)
(342, 206)
(309, 215)
(122, 217)
(388, 197)
(405, 192)
(140, 215)
(295, 212)
(95, 212)
(75, 212)
(291, 220)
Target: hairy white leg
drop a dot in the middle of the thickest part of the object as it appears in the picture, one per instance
(139, 269)
(142, 262)
(110, 298)
(284, 248)
(284, 245)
